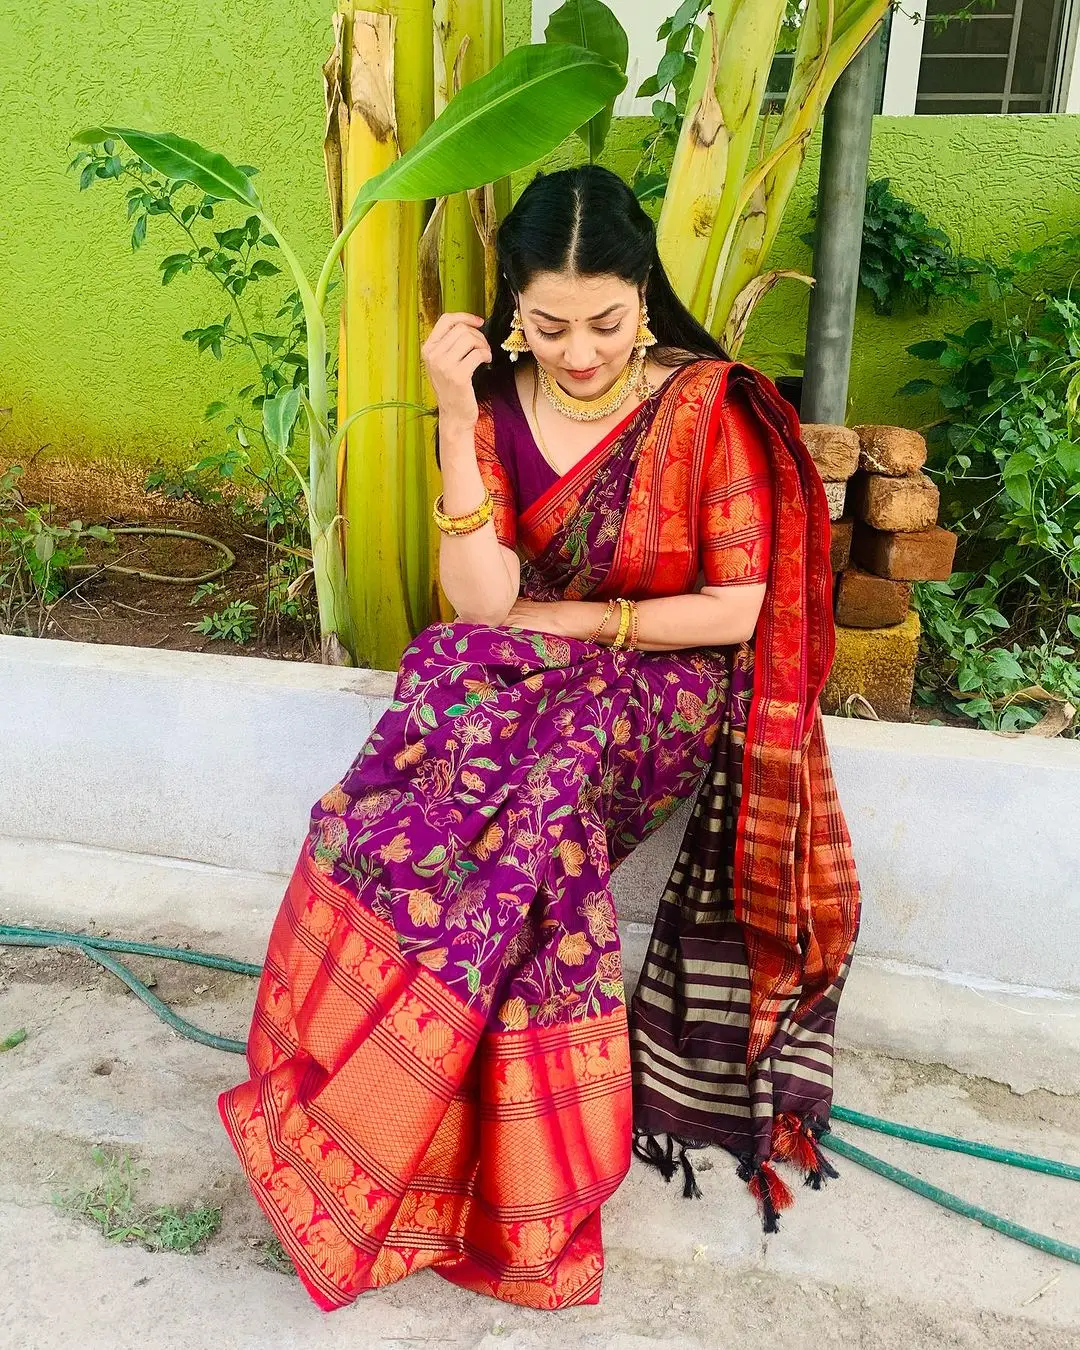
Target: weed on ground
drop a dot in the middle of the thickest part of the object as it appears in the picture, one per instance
(111, 1205)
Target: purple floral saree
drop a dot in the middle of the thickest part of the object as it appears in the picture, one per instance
(439, 1058)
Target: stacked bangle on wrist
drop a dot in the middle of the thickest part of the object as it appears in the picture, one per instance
(594, 635)
(625, 616)
(626, 639)
(465, 524)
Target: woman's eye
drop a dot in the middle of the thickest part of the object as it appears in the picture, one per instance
(562, 332)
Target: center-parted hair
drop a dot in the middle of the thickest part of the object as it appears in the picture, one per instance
(587, 222)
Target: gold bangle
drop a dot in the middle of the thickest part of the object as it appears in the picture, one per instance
(463, 524)
(624, 624)
(632, 644)
(603, 622)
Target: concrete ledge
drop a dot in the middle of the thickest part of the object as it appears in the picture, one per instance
(967, 843)
(1026, 1038)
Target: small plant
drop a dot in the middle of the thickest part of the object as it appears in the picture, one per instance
(177, 485)
(35, 553)
(272, 1255)
(209, 590)
(1003, 634)
(905, 259)
(237, 623)
(261, 482)
(110, 1205)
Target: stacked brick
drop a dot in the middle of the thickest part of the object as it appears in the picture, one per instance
(885, 538)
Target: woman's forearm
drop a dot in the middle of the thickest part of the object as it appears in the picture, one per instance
(472, 568)
(718, 618)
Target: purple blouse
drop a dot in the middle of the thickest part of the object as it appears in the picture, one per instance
(529, 472)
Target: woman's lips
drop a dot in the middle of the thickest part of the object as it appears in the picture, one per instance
(583, 374)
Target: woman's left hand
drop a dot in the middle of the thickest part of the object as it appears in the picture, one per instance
(539, 616)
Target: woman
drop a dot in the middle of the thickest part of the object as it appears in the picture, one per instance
(635, 544)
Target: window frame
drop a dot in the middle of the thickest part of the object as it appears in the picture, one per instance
(903, 64)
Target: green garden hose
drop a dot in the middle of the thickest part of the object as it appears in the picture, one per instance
(97, 949)
(949, 1201)
(947, 1141)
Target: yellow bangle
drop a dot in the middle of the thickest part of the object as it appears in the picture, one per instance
(624, 624)
(632, 643)
(465, 524)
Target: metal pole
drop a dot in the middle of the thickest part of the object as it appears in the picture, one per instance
(841, 200)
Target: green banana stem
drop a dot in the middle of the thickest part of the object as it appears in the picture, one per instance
(323, 520)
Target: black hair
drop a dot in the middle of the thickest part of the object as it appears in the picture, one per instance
(587, 221)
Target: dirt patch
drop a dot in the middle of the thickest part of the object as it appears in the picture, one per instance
(896, 1079)
(107, 606)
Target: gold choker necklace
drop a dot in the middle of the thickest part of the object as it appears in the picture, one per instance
(631, 381)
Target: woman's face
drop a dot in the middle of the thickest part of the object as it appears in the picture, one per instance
(581, 329)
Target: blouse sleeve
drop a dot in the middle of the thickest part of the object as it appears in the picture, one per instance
(736, 504)
(496, 479)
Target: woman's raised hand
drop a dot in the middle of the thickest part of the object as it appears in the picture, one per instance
(452, 353)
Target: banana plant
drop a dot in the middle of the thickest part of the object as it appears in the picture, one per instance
(511, 117)
(406, 264)
(732, 175)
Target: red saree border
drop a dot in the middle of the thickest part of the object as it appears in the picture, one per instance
(795, 886)
(357, 1206)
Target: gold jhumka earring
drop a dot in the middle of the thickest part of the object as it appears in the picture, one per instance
(645, 336)
(517, 342)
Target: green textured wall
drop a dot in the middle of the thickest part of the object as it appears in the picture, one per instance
(995, 184)
(91, 360)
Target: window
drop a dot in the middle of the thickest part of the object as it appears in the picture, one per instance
(1007, 56)
(1002, 59)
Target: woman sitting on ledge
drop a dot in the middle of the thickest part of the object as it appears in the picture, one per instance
(635, 542)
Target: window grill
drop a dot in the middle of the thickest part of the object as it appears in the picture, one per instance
(1002, 59)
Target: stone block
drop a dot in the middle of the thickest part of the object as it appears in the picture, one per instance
(919, 555)
(836, 494)
(894, 451)
(834, 449)
(840, 551)
(866, 601)
(879, 664)
(894, 504)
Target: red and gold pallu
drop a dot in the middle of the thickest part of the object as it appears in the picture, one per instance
(733, 1017)
(439, 1058)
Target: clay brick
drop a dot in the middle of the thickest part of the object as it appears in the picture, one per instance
(834, 449)
(894, 451)
(866, 601)
(895, 504)
(840, 551)
(920, 555)
(879, 664)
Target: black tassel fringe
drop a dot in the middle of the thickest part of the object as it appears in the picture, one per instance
(649, 1149)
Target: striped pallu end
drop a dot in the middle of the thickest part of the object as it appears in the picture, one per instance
(733, 1019)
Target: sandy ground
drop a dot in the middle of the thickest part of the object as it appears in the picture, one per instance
(862, 1264)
